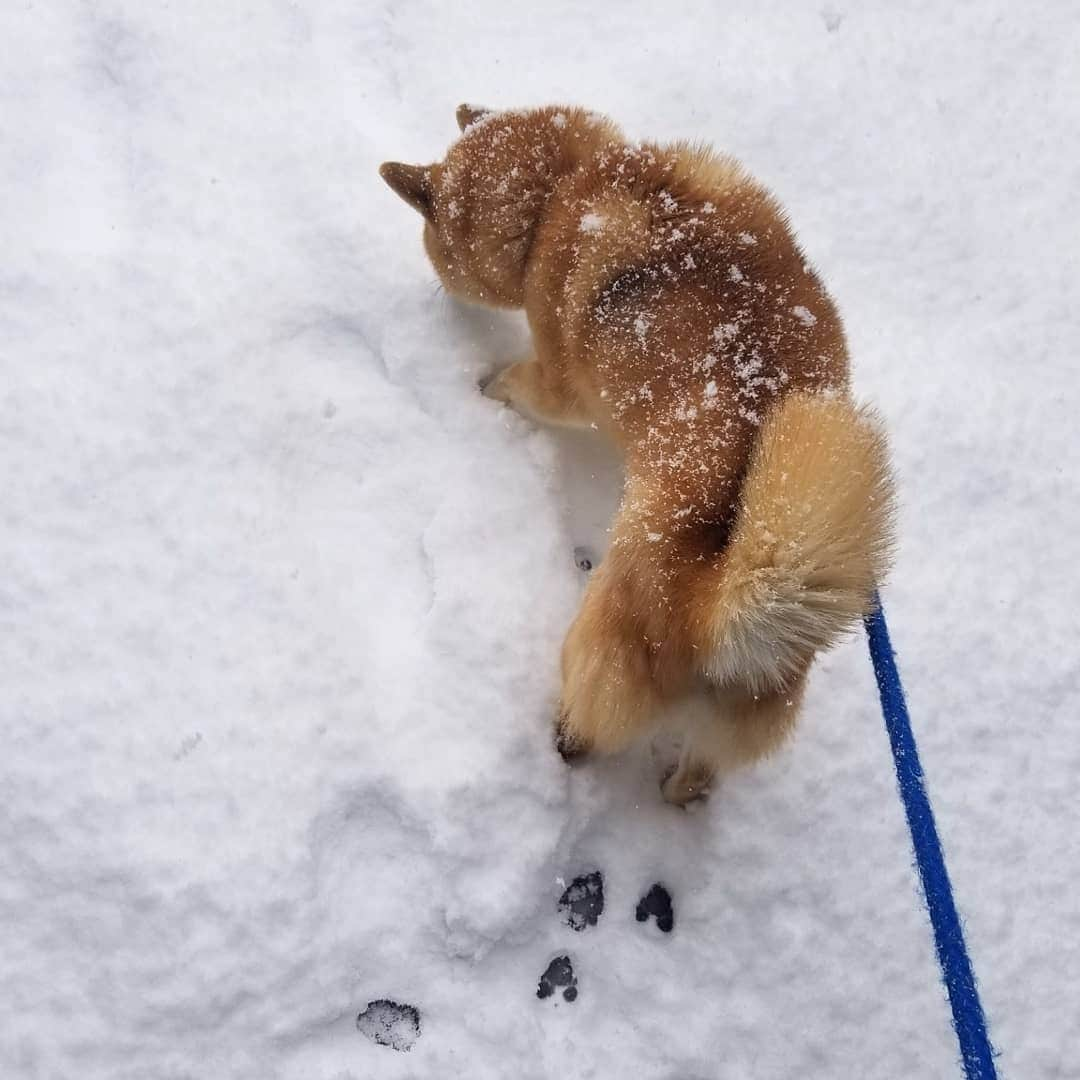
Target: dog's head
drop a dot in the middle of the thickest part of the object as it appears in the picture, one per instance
(482, 204)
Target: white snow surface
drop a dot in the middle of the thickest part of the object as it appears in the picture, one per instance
(283, 595)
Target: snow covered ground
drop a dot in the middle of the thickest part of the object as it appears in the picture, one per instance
(282, 594)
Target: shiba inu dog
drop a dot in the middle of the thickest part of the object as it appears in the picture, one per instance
(671, 307)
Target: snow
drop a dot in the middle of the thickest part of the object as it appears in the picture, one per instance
(284, 595)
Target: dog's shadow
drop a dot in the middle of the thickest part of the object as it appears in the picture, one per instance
(591, 482)
(590, 472)
(495, 338)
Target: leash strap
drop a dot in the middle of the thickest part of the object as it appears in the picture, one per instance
(967, 1012)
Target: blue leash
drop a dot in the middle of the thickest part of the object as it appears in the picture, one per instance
(968, 1020)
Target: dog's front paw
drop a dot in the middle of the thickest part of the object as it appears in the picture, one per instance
(496, 387)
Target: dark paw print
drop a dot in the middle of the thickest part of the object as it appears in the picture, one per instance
(583, 900)
(584, 559)
(583, 903)
(657, 901)
(558, 976)
(390, 1024)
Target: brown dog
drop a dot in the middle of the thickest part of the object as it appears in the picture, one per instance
(671, 307)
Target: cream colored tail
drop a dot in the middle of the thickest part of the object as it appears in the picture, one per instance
(812, 541)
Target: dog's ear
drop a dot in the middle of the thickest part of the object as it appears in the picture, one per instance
(412, 183)
(469, 114)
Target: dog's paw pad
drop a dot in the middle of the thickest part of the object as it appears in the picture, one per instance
(583, 900)
(584, 559)
(657, 902)
(390, 1024)
(558, 976)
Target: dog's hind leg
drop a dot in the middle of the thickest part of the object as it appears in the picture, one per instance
(608, 695)
(705, 746)
(729, 728)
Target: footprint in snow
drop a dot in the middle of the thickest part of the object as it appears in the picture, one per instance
(390, 1024)
(657, 902)
(558, 976)
(582, 903)
(583, 900)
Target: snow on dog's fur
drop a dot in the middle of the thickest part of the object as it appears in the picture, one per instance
(671, 307)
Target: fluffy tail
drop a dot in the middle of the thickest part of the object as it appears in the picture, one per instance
(812, 541)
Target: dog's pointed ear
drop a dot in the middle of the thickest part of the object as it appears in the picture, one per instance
(412, 183)
(469, 114)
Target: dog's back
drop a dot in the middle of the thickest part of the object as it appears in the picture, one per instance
(682, 308)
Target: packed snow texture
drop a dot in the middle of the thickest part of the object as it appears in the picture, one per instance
(283, 594)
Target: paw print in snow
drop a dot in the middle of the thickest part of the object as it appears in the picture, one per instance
(583, 900)
(390, 1024)
(657, 901)
(558, 976)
